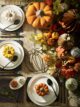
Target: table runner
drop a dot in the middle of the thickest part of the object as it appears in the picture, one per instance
(10, 2)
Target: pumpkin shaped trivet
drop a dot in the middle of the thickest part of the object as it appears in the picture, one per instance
(39, 14)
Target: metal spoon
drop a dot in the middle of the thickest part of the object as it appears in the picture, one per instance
(13, 60)
(50, 83)
(17, 21)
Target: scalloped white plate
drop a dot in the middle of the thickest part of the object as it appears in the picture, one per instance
(42, 100)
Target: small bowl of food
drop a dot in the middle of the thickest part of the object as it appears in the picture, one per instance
(17, 82)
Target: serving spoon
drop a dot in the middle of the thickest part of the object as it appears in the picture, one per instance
(13, 60)
(50, 83)
(16, 22)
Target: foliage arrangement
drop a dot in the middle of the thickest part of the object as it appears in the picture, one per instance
(60, 50)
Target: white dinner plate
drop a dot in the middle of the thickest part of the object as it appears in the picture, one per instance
(20, 80)
(42, 100)
(20, 16)
(18, 52)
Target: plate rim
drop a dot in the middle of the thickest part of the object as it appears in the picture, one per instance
(23, 17)
(36, 76)
(13, 41)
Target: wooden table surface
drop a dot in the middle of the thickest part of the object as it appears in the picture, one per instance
(28, 45)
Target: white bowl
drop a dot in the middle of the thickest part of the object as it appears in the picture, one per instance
(20, 80)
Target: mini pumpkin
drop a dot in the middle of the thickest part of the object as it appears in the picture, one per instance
(71, 84)
(75, 52)
(67, 41)
(41, 89)
(8, 52)
(9, 15)
(39, 14)
(68, 21)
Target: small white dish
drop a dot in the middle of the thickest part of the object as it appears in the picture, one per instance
(20, 82)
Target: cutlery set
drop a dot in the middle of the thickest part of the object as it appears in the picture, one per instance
(50, 83)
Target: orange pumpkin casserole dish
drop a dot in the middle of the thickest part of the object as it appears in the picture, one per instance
(41, 89)
(39, 14)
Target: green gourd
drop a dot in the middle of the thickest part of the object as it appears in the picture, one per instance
(71, 84)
